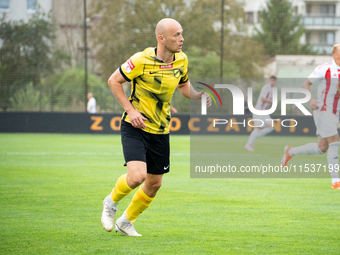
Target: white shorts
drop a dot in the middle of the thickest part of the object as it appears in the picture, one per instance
(261, 120)
(326, 123)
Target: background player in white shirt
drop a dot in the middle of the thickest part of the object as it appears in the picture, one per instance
(263, 103)
(326, 116)
(91, 104)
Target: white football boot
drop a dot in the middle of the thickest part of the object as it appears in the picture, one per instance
(126, 229)
(108, 215)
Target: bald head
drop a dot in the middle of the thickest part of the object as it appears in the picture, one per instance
(336, 49)
(165, 25)
(336, 53)
(169, 35)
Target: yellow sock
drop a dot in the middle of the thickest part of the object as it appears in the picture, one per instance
(139, 203)
(120, 190)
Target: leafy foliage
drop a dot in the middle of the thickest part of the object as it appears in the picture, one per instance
(67, 89)
(24, 53)
(62, 91)
(26, 98)
(207, 65)
(281, 30)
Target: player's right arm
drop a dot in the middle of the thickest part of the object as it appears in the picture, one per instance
(115, 82)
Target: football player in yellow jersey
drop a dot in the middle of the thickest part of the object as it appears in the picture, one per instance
(154, 73)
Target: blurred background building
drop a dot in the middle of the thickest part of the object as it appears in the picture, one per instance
(22, 9)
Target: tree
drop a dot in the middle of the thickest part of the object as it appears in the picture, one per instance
(281, 30)
(248, 55)
(68, 90)
(24, 53)
(205, 65)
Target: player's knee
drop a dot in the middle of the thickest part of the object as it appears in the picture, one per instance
(136, 179)
(323, 148)
(139, 178)
(155, 185)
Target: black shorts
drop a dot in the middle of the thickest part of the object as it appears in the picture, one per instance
(153, 149)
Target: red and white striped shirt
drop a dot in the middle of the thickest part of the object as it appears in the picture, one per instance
(328, 96)
(267, 93)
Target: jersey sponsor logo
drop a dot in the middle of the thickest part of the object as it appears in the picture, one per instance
(166, 66)
(129, 66)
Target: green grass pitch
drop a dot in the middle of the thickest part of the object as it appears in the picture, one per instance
(52, 187)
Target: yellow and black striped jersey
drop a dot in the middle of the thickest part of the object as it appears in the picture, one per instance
(153, 84)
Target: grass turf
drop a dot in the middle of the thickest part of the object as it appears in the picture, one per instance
(52, 187)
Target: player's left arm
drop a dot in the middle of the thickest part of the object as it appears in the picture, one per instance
(188, 91)
(263, 95)
(312, 101)
(263, 99)
(317, 75)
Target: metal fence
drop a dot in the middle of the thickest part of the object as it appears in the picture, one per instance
(40, 98)
(50, 99)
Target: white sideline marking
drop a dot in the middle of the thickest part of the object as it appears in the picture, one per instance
(59, 153)
(121, 153)
(225, 154)
(179, 154)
